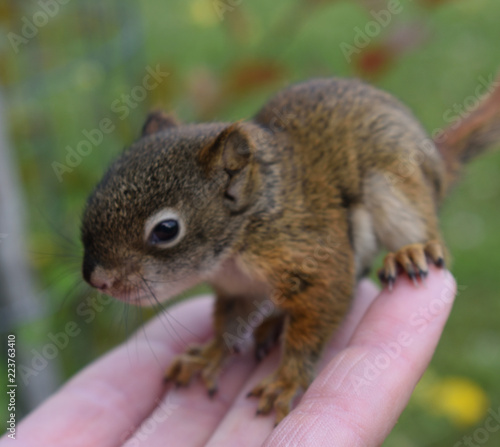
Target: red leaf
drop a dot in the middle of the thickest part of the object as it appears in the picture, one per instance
(373, 61)
(251, 75)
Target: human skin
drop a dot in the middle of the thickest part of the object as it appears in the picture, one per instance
(364, 382)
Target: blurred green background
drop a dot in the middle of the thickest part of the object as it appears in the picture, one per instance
(223, 59)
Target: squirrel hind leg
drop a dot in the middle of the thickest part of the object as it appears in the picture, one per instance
(363, 238)
(405, 223)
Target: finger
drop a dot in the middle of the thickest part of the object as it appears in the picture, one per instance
(241, 419)
(357, 399)
(108, 399)
(366, 293)
(188, 416)
(241, 426)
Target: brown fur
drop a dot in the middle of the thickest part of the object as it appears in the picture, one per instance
(283, 213)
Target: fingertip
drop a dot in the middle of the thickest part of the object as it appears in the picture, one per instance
(367, 288)
(437, 280)
(440, 283)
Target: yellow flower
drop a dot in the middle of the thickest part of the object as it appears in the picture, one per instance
(458, 398)
(203, 13)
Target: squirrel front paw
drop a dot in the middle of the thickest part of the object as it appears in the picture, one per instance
(412, 259)
(205, 360)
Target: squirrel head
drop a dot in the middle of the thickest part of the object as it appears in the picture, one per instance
(172, 207)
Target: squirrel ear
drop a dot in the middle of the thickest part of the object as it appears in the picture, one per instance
(156, 121)
(231, 152)
(236, 149)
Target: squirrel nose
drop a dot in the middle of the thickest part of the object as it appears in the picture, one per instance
(101, 279)
(100, 283)
(95, 275)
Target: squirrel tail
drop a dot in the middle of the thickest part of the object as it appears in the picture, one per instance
(472, 135)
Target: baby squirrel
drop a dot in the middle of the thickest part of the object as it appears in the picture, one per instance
(287, 210)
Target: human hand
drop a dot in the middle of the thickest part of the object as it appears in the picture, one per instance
(366, 377)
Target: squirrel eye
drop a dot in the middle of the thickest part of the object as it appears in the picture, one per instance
(165, 231)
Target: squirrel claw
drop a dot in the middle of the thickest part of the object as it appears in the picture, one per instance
(275, 393)
(266, 336)
(388, 280)
(411, 259)
(197, 360)
(212, 392)
(261, 352)
(439, 262)
(423, 274)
